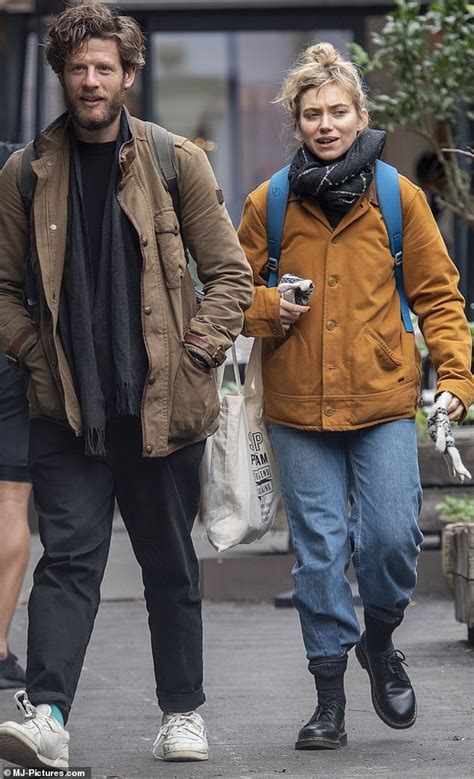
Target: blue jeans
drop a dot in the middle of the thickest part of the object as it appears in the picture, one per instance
(350, 495)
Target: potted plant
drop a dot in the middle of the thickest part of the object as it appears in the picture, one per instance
(458, 555)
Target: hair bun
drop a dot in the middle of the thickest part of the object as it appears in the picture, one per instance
(323, 53)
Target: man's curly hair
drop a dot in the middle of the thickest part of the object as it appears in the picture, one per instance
(72, 28)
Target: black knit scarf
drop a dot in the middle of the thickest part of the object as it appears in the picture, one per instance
(100, 318)
(339, 184)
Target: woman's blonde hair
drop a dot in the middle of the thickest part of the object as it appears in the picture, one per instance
(317, 66)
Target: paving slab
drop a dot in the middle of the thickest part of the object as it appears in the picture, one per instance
(260, 693)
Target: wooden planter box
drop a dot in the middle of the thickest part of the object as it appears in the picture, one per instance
(458, 563)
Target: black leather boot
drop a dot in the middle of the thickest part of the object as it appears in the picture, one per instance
(325, 729)
(392, 694)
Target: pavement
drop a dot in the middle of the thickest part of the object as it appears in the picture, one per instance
(259, 693)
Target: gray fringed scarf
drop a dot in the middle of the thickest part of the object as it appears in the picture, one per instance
(100, 319)
(339, 184)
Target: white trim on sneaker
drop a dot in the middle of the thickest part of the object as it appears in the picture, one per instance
(37, 742)
(181, 737)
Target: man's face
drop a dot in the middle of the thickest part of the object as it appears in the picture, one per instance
(94, 84)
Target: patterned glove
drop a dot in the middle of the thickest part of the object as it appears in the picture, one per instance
(295, 289)
(439, 429)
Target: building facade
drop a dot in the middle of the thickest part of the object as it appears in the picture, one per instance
(213, 72)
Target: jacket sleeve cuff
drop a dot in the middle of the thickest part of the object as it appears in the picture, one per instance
(459, 390)
(262, 319)
(21, 345)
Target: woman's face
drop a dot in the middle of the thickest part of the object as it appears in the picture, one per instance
(329, 122)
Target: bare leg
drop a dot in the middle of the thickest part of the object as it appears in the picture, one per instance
(14, 551)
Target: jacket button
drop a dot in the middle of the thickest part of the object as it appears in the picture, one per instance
(329, 411)
(151, 379)
(144, 241)
(331, 325)
(148, 449)
(53, 227)
(332, 281)
(147, 310)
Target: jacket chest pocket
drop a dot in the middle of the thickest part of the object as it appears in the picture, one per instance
(170, 246)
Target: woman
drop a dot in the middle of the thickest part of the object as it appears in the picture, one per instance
(342, 384)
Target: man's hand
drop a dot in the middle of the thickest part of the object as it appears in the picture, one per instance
(447, 407)
(290, 313)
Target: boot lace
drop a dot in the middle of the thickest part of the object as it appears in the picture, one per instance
(394, 664)
(326, 709)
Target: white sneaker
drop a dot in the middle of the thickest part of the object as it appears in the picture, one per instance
(181, 737)
(40, 741)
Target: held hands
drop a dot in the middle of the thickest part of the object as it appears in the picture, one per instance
(447, 407)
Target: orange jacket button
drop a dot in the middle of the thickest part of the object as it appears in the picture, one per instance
(329, 411)
(332, 281)
(331, 325)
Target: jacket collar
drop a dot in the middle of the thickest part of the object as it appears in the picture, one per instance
(364, 203)
(54, 138)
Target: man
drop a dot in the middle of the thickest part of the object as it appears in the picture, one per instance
(121, 395)
(15, 489)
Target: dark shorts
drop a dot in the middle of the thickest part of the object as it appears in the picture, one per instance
(14, 424)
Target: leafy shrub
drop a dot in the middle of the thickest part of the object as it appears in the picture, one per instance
(457, 509)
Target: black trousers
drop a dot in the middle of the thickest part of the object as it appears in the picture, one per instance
(74, 497)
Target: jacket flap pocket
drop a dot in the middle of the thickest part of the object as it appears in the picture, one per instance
(170, 246)
(166, 221)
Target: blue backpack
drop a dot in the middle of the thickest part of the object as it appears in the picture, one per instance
(388, 193)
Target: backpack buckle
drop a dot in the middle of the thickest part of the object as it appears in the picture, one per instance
(398, 256)
(273, 264)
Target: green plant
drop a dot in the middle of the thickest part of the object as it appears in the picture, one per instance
(421, 425)
(457, 509)
(469, 418)
(429, 61)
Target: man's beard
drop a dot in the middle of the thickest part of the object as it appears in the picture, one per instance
(111, 108)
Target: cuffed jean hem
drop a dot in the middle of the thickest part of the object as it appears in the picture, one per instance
(315, 662)
(181, 701)
(59, 700)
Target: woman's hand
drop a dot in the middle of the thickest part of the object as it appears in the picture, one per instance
(290, 313)
(455, 409)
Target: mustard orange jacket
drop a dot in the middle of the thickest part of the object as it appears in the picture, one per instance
(348, 362)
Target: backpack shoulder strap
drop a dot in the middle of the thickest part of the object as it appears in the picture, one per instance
(277, 201)
(388, 193)
(161, 145)
(27, 177)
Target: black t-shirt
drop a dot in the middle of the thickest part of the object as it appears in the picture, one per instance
(96, 166)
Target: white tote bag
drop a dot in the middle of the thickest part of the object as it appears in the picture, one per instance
(244, 486)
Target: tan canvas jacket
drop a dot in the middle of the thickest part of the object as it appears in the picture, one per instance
(180, 403)
(349, 362)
